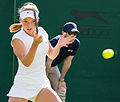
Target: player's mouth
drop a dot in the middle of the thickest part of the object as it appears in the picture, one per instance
(29, 29)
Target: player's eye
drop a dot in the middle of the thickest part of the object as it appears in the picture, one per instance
(25, 21)
(33, 21)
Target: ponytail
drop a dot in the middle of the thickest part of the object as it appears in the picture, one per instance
(15, 27)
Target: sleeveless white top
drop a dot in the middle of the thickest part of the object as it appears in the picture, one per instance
(30, 80)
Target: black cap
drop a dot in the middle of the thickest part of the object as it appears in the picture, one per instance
(70, 27)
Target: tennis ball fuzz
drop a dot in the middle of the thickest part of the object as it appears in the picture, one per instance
(108, 53)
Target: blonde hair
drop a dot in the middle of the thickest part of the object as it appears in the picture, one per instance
(27, 6)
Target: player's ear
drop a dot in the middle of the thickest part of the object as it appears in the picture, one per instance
(38, 19)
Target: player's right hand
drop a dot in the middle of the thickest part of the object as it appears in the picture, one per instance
(38, 38)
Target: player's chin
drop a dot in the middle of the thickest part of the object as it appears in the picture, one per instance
(30, 30)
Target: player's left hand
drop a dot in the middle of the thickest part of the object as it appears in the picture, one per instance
(65, 41)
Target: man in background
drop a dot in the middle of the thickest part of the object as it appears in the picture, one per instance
(66, 54)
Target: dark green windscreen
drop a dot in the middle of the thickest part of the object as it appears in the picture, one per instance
(90, 78)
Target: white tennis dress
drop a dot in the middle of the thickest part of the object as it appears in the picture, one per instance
(30, 80)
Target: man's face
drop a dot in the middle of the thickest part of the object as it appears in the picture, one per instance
(67, 35)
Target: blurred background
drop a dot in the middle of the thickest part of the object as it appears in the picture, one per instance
(90, 78)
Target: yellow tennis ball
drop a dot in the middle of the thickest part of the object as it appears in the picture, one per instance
(108, 53)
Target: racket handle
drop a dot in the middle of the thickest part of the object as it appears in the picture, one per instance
(36, 23)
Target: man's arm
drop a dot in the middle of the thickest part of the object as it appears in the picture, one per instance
(48, 65)
(66, 66)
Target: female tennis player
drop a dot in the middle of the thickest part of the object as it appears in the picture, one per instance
(31, 82)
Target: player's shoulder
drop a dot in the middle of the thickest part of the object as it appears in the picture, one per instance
(41, 30)
(18, 34)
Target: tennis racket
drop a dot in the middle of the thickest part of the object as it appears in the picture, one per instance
(36, 23)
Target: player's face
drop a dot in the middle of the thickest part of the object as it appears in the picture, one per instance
(28, 25)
